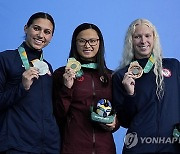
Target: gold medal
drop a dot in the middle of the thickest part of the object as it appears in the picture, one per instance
(74, 64)
(41, 66)
(135, 69)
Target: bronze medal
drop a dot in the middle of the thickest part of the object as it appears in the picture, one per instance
(135, 69)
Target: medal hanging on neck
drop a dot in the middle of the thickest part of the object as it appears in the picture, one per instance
(39, 64)
(76, 66)
(137, 70)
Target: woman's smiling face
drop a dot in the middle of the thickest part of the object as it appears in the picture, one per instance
(39, 33)
(87, 42)
(143, 41)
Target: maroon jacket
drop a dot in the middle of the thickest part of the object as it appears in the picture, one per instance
(72, 109)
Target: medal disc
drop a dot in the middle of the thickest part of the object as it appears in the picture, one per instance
(41, 66)
(74, 64)
(135, 69)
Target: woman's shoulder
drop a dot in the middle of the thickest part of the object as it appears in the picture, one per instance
(109, 71)
(8, 53)
(9, 56)
(58, 74)
(60, 69)
(120, 71)
(170, 61)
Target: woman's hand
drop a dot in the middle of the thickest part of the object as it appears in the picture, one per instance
(28, 77)
(69, 77)
(111, 126)
(129, 83)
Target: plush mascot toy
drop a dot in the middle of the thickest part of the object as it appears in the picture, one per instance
(102, 112)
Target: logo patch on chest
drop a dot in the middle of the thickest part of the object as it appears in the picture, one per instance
(80, 78)
(166, 72)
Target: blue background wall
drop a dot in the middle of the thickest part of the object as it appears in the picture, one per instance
(111, 16)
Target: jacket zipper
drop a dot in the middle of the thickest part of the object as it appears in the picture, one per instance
(42, 117)
(94, 94)
(94, 140)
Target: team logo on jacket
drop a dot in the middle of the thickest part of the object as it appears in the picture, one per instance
(80, 78)
(166, 72)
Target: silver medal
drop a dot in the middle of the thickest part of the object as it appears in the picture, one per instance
(41, 66)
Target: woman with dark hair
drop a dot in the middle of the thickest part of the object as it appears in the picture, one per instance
(78, 86)
(100, 55)
(27, 124)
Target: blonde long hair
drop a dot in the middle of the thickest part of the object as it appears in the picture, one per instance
(128, 53)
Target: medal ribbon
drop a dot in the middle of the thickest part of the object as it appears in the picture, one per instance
(90, 65)
(76, 65)
(149, 64)
(24, 57)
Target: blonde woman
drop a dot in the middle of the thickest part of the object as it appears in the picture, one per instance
(146, 90)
